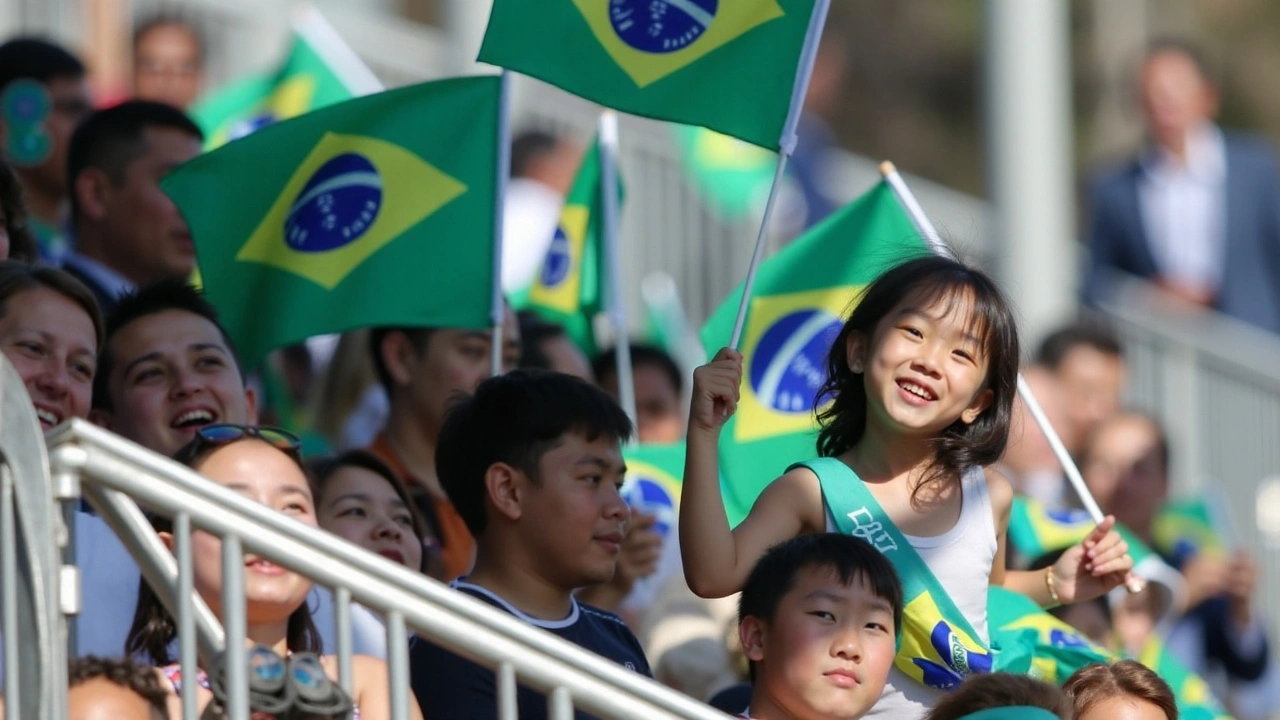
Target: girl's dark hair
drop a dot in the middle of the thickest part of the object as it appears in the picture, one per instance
(154, 629)
(322, 470)
(993, 690)
(1092, 684)
(22, 242)
(922, 282)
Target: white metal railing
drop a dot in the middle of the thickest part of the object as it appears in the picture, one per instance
(116, 476)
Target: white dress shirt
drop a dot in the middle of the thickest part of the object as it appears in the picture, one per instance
(1183, 206)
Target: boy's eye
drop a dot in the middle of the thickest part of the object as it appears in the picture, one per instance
(823, 614)
(878, 627)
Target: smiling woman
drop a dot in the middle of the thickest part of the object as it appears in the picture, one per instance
(50, 330)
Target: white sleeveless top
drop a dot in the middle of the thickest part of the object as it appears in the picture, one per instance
(961, 559)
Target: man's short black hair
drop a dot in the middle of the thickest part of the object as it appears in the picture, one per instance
(534, 331)
(110, 140)
(418, 338)
(1055, 347)
(515, 419)
(172, 294)
(169, 19)
(848, 556)
(642, 355)
(37, 59)
(131, 675)
(528, 147)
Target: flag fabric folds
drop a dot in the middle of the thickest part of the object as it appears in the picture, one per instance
(729, 65)
(570, 286)
(377, 211)
(801, 298)
(307, 79)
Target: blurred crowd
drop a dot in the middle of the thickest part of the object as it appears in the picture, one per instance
(362, 434)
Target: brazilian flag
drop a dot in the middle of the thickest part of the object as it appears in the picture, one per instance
(801, 299)
(729, 65)
(569, 288)
(732, 176)
(377, 211)
(654, 476)
(307, 79)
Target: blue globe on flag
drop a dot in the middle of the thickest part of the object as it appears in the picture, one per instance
(661, 26)
(788, 367)
(338, 204)
(559, 259)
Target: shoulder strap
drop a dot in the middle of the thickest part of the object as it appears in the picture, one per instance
(939, 646)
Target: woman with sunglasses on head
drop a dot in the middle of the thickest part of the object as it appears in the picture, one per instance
(262, 464)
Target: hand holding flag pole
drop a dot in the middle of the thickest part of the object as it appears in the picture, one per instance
(931, 236)
(787, 145)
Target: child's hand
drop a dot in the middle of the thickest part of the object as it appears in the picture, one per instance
(716, 391)
(1098, 564)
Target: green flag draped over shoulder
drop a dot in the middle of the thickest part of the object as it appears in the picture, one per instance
(378, 211)
(307, 80)
(569, 288)
(801, 298)
(729, 65)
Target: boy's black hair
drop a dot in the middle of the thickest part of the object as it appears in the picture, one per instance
(849, 556)
(110, 140)
(136, 677)
(515, 419)
(534, 331)
(921, 282)
(606, 363)
(37, 59)
(1055, 347)
(418, 338)
(172, 294)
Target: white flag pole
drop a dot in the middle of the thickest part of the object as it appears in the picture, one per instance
(498, 308)
(310, 23)
(938, 246)
(613, 253)
(786, 146)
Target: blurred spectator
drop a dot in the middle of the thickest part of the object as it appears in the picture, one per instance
(533, 463)
(1025, 698)
(1088, 363)
(44, 95)
(360, 499)
(658, 380)
(168, 61)
(127, 231)
(1198, 212)
(114, 689)
(543, 167)
(423, 370)
(1123, 689)
(1126, 467)
(351, 406)
(16, 240)
(1028, 461)
(546, 346)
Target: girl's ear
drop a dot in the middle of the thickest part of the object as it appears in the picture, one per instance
(980, 403)
(855, 352)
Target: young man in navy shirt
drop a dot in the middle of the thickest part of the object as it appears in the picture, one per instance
(533, 464)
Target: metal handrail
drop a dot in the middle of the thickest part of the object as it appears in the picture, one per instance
(451, 619)
(35, 671)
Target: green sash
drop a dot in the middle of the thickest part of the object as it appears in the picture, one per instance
(939, 646)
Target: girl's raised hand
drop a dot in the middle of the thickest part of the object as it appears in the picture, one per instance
(1098, 564)
(716, 390)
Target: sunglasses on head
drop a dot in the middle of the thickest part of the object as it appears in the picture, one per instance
(224, 433)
